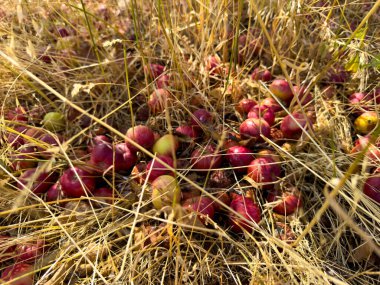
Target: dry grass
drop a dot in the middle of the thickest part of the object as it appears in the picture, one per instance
(98, 71)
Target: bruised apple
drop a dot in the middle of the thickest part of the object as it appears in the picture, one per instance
(165, 191)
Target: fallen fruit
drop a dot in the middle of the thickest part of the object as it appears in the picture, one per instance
(142, 135)
(17, 270)
(203, 206)
(155, 168)
(281, 89)
(165, 191)
(246, 208)
(166, 145)
(254, 128)
(239, 157)
(366, 122)
(264, 170)
(205, 158)
(76, 182)
(291, 125)
(54, 121)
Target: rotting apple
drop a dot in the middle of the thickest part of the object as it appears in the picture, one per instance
(165, 191)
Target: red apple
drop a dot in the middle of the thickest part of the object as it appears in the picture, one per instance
(71, 182)
(188, 131)
(163, 81)
(155, 168)
(373, 152)
(291, 125)
(205, 158)
(300, 93)
(263, 75)
(263, 112)
(17, 270)
(203, 206)
(54, 193)
(141, 135)
(281, 89)
(213, 65)
(359, 102)
(154, 70)
(371, 187)
(49, 141)
(253, 128)
(38, 181)
(239, 157)
(245, 105)
(15, 139)
(104, 194)
(18, 114)
(29, 252)
(264, 170)
(98, 140)
(159, 100)
(246, 208)
(6, 250)
(24, 158)
(201, 117)
(287, 202)
(272, 103)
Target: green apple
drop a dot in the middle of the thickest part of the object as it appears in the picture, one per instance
(165, 191)
(54, 121)
(166, 145)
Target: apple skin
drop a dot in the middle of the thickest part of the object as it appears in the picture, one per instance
(245, 105)
(54, 193)
(272, 103)
(16, 270)
(281, 89)
(104, 194)
(18, 114)
(205, 158)
(141, 135)
(54, 121)
(6, 252)
(264, 170)
(42, 180)
(159, 100)
(373, 152)
(71, 185)
(288, 202)
(29, 252)
(263, 112)
(289, 126)
(303, 97)
(203, 206)
(24, 158)
(157, 169)
(154, 70)
(263, 75)
(366, 122)
(201, 117)
(253, 128)
(240, 157)
(105, 155)
(165, 191)
(371, 186)
(248, 209)
(188, 131)
(166, 145)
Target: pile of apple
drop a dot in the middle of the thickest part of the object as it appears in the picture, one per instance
(245, 153)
